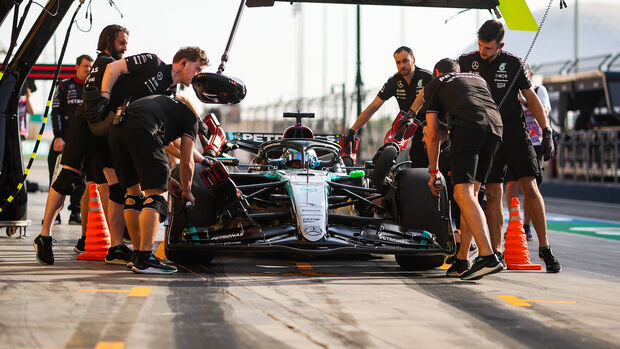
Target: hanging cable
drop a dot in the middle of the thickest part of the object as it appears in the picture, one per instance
(47, 107)
(17, 28)
(48, 12)
(499, 106)
(88, 15)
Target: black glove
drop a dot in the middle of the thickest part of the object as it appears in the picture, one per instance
(94, 110)
(348, 137)
(407, 125)
(547, 144)
(407, 119)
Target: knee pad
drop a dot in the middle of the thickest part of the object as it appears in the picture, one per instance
(67, 182)
(157, 203)
(117, 194)
(134, 202)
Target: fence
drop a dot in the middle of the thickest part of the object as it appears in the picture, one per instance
(590, 156)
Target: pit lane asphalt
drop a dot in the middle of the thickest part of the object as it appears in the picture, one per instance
(273, 301)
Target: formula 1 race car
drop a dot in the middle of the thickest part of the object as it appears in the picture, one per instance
(296, 195)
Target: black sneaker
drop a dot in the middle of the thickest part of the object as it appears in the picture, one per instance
(483, 266)
(146, 263)
(120, 254)
(500, 257)
(57, 220)
(43, 246)
(528, 233)
(80, 245)
(75, 219)
(132, 260)
(458, 268)
(552, 264)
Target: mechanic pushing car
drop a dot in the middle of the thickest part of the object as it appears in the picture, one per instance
(405, 85)
(501, 70)
(80, 155)
(475, 132)
(142, 166)
(138, 76)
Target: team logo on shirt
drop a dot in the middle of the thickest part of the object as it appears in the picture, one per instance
(502, 66)
(475, 65)
(420, 83)
(399, 84)
(160, 75)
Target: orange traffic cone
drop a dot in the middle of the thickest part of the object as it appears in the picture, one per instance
(516, 252)
(97, 233)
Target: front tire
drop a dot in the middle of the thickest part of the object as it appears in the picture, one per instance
(419, 263)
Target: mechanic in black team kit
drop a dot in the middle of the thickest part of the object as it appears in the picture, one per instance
(500, 69)
(67, 98)
(137, 146)
(135, 77)
(79, 157)
(475, 135)
(404, 85)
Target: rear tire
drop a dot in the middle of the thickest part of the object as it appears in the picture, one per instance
(417, 209)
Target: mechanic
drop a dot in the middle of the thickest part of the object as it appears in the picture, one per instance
(142, 165)
(512, 186)
(79, 156)
(405, 85)
(475, 135)
(139, 76)
(501, 70)
(67, 98)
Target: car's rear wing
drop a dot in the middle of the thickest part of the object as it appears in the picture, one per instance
(250, 141)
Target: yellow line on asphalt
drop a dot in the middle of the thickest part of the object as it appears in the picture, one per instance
(137, 291)
(526, 302)
(140, 291)
(110, 345)
(100, 345)
(306, 269)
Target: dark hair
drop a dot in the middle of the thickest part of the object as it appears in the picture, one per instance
(406, 49)
(447, 65)
(192, 54)
(108, 36)
(491, 30)
(78, 60)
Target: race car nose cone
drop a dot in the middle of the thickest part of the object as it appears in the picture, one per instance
(215, 88)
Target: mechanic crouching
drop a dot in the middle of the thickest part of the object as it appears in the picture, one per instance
(137, 145)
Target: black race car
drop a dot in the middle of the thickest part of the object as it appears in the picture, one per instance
(298, 196)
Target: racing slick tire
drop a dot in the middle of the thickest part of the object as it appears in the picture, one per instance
(420, 262)
(417, 208)
(181, 255)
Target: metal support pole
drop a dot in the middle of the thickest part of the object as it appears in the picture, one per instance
(358, 80)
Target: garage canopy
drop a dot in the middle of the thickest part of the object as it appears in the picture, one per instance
(478, 4)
